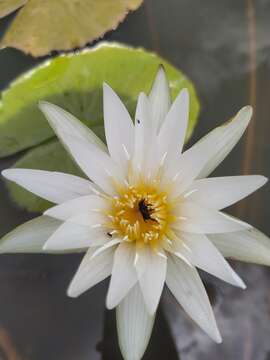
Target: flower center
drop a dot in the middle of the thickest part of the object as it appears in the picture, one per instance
(141, 214)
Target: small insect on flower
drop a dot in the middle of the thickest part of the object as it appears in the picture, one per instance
(145, 210)
(148, 215)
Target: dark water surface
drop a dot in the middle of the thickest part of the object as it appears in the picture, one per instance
(224, 47)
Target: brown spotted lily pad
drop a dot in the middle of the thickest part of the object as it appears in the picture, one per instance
(42, 26)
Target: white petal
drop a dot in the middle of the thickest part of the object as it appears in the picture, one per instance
(181, 172)
(159, 98)
(172, 133)
(250, 246)
(221, 192)
(186, 285)
(144, 134)
(94, 220)
(119, 128)
(141, 259)
(134, 325)
(203, 254)
(83, 204)
(222, 140)
(53, 186)
(106, 246)
(198, 219)
(30, 236)
(63, 121)
(92, 270)
(203, 157)
(145, 160)
(182, 252)
(124, 274)
(96, 163)
(74, 236)
(152, 280)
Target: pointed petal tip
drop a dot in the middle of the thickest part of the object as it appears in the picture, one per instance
(142, 96)
(185, 92)
(161, 70)
(43, 105)
(161, 67)
(5, 173)
(109, 303)
(47, 108)
(264, 179)
(240, 283)
(247, 112)
(42, 102)
(248, 108)
(161, 75)
(214, 334)
(10, 174)
(71, 293)
(106, 86)
(151, 309)
(261, 181)
(237, 281)
(218, 338)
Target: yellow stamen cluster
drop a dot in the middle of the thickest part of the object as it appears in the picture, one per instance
(141, 214)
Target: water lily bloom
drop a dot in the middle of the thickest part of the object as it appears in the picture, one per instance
(147, 216)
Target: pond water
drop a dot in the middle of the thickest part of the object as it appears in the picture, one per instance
(224, 47)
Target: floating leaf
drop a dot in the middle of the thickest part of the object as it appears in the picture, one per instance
(49, 156)
(75, 83)
(42, 26)
(8, 6)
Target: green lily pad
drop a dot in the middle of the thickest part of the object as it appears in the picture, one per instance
(49, 156)
(8, 6)
(74, 82)
(42, 26)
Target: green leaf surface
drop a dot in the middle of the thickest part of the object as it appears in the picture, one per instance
(8, 6)
(42, 26)
(75, 83)
(50, 156)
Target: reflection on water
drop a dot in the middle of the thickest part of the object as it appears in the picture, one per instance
(224, 47)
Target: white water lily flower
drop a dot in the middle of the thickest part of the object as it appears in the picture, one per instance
(148, 215)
